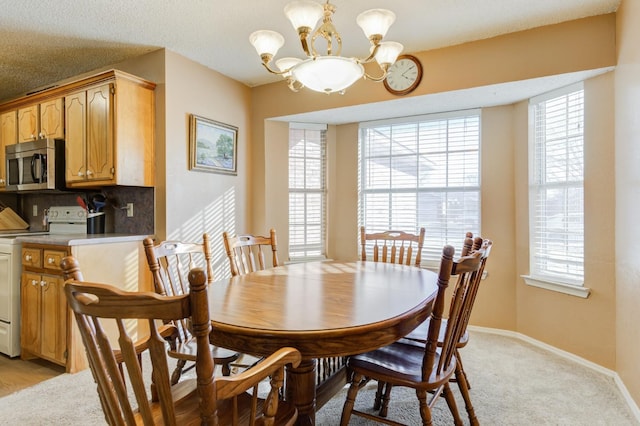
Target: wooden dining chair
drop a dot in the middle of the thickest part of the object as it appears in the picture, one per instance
(246, 252)
(169, 263)
(426, 368)
(392, 246)
(151, 399)
(418, 335)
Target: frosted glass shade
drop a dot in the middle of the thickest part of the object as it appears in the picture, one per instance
(328, 74)
(303, 13)
(376, 21)
(287, 63)
(266, 42)
(388, 52)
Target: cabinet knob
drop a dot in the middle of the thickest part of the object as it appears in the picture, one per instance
(1, 181)
(80, 174)
(51, 260)
(34, 282)
(41, 135)
(28, 257)
(43, 283)
(89, 172)
(33, 137)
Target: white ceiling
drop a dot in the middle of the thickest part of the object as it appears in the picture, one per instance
(44, 42)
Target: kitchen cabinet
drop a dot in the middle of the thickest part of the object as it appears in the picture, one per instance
(8, 136)
(44, 312)
(110, 134)
(48, 328)
(42, 120)
(107, 121)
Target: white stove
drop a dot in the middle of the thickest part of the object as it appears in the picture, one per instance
(67, 220)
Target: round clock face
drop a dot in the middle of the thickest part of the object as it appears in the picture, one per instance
(403, 75)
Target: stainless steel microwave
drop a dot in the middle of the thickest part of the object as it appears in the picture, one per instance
(37, 165)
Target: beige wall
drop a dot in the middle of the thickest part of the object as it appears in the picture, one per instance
(189, 203)
(585, 327)
(627, 176)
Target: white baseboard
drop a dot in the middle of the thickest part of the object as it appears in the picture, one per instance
(568, 355)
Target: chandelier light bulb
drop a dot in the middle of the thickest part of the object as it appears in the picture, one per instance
(303, 13)
(376, 22)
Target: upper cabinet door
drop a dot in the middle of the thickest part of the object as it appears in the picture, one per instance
(100, 133)
(52, 119)
(28, 123)
(75, 142)
(8, 136)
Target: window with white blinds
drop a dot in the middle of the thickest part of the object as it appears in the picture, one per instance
(556, 181)
(422, 172)
(307, 191)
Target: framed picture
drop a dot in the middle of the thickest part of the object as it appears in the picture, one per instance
(212, 146)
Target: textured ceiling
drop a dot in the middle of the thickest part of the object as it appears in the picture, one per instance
(44, 42)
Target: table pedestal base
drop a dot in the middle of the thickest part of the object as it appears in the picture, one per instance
(303, 380)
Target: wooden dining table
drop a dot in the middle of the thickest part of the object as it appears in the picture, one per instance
(323, 309)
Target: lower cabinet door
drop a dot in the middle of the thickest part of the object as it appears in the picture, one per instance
(53, 319)
(30, 312)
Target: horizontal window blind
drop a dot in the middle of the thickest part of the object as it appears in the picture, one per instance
(424, 172)
(307, 196)
(556, 194)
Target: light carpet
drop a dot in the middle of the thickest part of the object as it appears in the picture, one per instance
(513, 383)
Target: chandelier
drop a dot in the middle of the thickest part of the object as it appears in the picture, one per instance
(328, 72)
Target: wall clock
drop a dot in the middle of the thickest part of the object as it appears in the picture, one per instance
(404, 75)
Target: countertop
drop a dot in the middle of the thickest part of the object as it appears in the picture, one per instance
(79, 239)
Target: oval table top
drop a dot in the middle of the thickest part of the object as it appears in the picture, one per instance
(320, 308)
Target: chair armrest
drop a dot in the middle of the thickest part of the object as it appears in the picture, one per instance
(230, 386)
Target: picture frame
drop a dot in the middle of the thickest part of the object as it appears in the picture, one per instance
(212, 146)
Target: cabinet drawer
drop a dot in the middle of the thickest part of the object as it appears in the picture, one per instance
(52, 259)
(32, 257)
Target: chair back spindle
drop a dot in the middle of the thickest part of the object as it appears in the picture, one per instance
(246, 252)
(393, 246)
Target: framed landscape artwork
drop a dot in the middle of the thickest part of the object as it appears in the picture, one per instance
(212, 146)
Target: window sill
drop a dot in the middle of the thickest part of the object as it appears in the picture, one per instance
(569, 289)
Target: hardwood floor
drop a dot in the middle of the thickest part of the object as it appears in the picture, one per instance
(16, 374)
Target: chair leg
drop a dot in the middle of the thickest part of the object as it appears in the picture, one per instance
(459, 361)
(425, 411)
(379, 393)
(385, 400)
(351, 399)
(451, 402)
(464, 390)
(175, 376)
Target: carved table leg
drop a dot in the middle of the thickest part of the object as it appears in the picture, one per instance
(301, 390)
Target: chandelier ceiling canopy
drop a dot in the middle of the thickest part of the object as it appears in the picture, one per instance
(326, 72)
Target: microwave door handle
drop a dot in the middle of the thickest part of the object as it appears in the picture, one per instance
(39, 157)
(33, 167)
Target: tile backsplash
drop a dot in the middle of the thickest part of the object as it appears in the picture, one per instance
(117, 197)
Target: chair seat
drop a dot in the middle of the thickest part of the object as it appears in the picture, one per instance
(188, 350)
(420, 334)
(187, 413)
(400, 364)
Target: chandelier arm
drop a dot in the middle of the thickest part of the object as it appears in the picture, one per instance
(384, 68)
(372, 55)
(272, 71)
(303, 33)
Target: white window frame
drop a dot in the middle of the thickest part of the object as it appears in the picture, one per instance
(434, 241)
(543, 251)
(308, 219)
